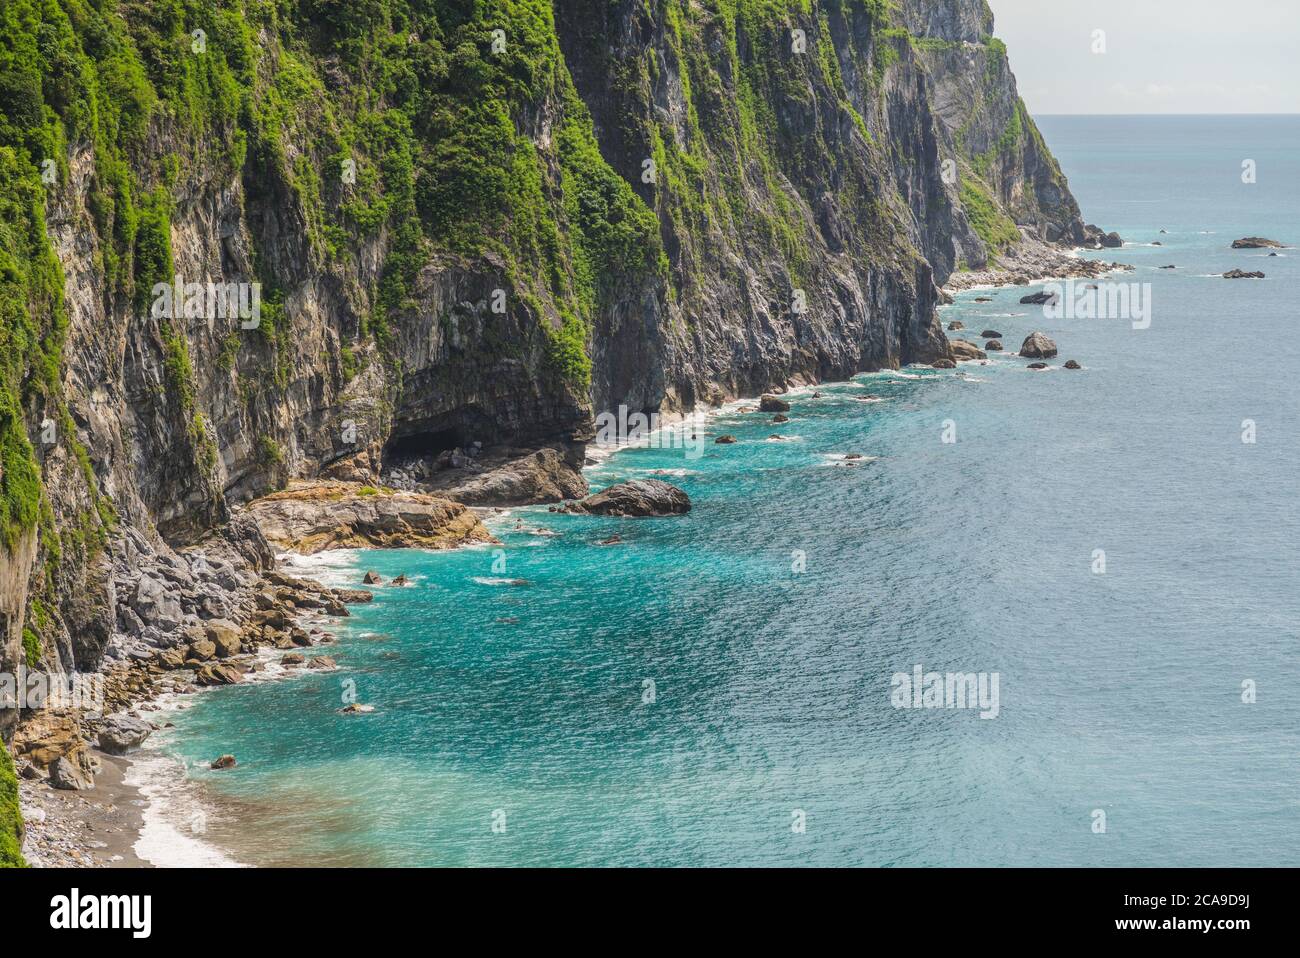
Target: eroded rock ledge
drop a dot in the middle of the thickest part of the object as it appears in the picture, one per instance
(310, 517)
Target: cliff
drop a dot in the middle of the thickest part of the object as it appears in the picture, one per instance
(465, 222)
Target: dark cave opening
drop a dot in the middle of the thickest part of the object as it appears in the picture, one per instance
(422, 445)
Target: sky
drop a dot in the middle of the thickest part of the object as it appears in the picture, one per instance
(1161, 56)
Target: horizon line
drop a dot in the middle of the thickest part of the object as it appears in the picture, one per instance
(1171, 113)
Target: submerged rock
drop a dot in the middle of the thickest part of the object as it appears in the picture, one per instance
(225, 761)
(955, 325)
(636, 498)
(1037, 346)
(726, 440)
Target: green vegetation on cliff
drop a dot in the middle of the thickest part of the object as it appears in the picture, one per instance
(372, 138)
(417, 122)
(994, 227)
(11, 855)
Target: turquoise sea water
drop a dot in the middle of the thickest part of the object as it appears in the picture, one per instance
(1118, 691)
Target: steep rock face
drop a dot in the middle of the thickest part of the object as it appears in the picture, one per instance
(984, 124)
(467, 223)
(791, 251)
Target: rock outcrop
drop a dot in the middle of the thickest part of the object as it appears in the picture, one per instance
(1243, 274)
(310, 517)
(1257, 242)
(546, 475)
(636, 498)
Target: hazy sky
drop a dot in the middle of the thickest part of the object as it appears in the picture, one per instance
(1162, 56)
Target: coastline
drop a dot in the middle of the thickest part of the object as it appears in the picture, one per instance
(142, 809)
(98, 828)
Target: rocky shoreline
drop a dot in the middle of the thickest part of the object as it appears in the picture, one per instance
(194, 618)
(207, 615)
(1031, 262)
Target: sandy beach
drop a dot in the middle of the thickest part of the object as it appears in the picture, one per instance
(95, 828)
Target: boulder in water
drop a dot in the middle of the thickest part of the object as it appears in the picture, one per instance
(1243, 274)
(769, 403)
(963, 350)
(636, 498)
(1256, 242)
(1037, 346)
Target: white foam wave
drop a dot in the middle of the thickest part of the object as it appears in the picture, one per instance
(335, 567)
(172, 816)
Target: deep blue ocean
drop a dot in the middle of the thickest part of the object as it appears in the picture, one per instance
(518, 697)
